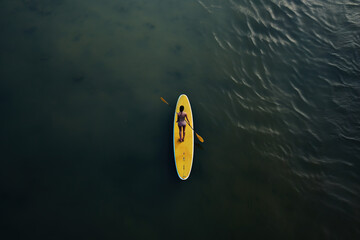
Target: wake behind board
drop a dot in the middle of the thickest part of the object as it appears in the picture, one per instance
(183, 151)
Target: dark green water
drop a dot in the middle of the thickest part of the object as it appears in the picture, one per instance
(86, 143)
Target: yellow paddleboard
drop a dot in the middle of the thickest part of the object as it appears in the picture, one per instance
(183, 151)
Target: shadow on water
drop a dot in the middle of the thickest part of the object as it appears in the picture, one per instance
(43, 8)
(176, 49)
(149, 26)
(199, 146)
(175, 74)
(30, 30)
(78, 78)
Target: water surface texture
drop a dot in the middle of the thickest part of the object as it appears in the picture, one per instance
(86, 142)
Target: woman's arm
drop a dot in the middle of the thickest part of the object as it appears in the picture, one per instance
(187, 118)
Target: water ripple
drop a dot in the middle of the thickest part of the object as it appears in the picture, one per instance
(290, 74)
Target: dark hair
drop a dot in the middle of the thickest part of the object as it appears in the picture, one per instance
(181, 108)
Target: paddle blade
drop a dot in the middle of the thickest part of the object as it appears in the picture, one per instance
(200, 138)
(164, 100)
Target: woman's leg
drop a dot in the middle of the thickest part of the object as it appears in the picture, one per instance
(180, 132)
(184, 133)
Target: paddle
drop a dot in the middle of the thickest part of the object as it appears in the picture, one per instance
(197, 135)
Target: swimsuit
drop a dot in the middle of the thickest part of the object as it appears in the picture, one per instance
(181, 117)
